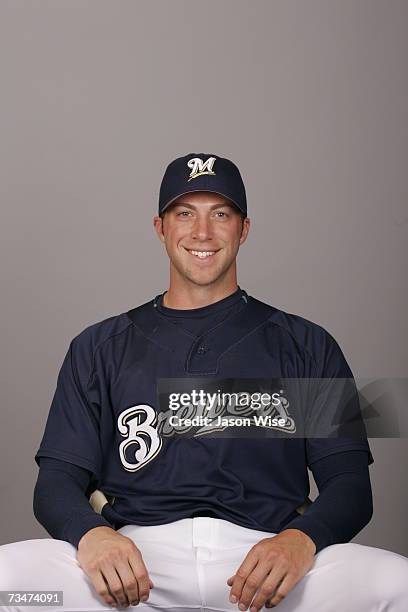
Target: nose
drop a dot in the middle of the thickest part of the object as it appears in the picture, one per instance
(201, 229)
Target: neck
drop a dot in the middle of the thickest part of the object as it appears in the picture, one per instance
(182, 298)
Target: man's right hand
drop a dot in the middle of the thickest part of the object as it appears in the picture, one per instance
(115, 566)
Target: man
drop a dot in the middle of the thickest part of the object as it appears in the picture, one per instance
(215, 515)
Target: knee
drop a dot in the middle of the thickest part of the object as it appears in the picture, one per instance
(392, 580)
(8, 568)
(22, 562)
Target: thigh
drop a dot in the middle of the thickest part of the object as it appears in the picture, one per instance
(47, 565)
(170, 557)
(343, 577)
(51, 565)
(357, 577)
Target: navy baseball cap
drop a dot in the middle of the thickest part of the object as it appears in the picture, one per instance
(202, 172)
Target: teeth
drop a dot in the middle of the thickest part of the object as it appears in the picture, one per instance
(202, 254)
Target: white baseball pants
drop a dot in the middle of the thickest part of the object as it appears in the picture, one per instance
(189, 562)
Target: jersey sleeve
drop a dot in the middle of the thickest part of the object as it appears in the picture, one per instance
(344, 505)
(72, 427)
(334, 422)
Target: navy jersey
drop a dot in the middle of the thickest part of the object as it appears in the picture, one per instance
(104, 415)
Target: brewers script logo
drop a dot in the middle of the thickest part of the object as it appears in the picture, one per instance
(143, 428)
(199, 167)
(139, 427)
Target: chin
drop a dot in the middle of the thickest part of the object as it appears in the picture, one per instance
(201, 279)
(204, 278)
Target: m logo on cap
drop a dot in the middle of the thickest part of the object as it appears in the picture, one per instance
(199, 167)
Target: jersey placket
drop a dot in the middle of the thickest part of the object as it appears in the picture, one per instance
(201, 356)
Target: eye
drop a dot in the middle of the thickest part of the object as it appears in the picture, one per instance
(221, 212)
(182, 213)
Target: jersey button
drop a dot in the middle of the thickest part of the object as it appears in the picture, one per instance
(202, 349)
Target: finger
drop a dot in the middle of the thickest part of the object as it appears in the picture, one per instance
(269, 588)
(283, 589)
(140, 572)
(129, 581)
(102, 588)
(256, 580)
(115, 584)
(242, 573)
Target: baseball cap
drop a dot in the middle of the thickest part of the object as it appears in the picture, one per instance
(202, 172)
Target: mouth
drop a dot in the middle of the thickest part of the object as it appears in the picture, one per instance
(201, 255)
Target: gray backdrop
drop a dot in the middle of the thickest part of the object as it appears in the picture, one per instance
(97, 96)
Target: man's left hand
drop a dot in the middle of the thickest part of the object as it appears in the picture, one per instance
(274, 565)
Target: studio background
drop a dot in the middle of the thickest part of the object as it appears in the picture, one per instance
(308, 98)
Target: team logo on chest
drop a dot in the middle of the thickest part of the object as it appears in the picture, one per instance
(199, 167)
(198, 413)
(138, 425)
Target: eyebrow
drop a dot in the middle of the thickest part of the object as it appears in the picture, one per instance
(213, 207)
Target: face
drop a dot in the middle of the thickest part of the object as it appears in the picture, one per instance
(202, 222)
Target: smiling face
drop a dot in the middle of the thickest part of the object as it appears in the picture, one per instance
(202, 233)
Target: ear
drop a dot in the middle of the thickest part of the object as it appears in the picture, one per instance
(245, 229)
(158, 226)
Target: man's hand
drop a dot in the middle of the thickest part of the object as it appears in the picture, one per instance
(274, 565)
(115, 566)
